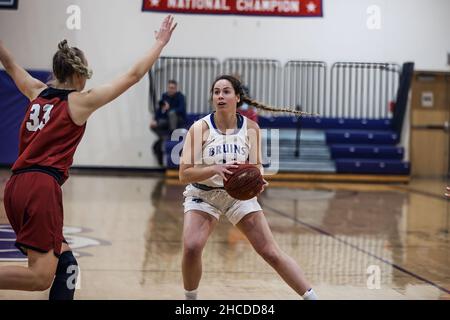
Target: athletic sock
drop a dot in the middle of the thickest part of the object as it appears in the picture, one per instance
(310, 295)
(190, 295)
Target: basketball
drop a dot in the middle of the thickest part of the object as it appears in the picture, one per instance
(245, 182)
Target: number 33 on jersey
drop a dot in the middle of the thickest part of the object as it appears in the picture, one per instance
(48, 137)
(35, 123)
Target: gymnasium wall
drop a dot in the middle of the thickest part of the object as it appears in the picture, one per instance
(114, 33)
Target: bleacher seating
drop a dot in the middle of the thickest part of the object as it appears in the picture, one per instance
(338, 145)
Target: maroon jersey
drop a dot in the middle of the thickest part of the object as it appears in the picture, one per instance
(48, 136)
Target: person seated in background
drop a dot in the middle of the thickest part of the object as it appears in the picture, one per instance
(172, 108)
(170, 115)
(160, 126)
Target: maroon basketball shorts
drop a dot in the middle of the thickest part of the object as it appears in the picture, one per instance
(33, 203)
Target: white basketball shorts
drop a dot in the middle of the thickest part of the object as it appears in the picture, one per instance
(217, 202)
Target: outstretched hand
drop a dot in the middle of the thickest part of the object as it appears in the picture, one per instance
(165, 31)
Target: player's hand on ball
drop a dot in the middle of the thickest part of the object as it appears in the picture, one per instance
(222, 169)
(265, 185)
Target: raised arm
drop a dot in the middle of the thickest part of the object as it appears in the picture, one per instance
(83, 104)
(29, 86)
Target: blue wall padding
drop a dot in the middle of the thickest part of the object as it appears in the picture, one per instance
(13, 105)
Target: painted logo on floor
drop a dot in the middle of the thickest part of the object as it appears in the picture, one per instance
(78, 242)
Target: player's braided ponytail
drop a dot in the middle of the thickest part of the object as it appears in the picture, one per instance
(68, 60)
(261, 106)
(239, 89)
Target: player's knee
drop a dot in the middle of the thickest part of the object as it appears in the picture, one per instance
(67, 264)
(42, 282)
(193, 248)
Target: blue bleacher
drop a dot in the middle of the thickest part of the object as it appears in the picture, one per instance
(372, 166)
(361, 137)
(338, 145)
(344, 151)
(325, 123)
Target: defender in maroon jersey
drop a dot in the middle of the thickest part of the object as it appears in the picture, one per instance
(48, 135)
(53, 126)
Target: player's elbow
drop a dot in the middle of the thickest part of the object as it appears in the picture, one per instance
(8, 67)
(133, 78)
(182, 177)
(186, 177)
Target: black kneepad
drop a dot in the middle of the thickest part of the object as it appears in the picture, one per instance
(67, 264)
(63, 287)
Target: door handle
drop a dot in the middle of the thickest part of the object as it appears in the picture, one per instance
(444, 127)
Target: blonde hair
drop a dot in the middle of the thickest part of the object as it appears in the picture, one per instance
(69, 60)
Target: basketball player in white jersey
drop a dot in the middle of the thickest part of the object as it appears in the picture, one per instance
(226, 139)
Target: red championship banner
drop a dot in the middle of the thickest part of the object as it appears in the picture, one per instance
(284, 8)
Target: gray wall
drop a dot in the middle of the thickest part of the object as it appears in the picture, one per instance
(114, 33)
